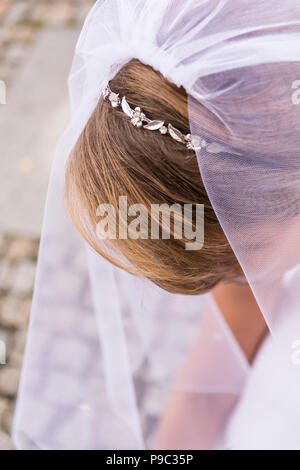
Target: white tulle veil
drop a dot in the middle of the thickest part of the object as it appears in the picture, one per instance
(104, 345)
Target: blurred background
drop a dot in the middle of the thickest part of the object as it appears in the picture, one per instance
(37, 40)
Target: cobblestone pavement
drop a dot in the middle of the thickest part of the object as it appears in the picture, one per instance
(19, 23)
(17, 270)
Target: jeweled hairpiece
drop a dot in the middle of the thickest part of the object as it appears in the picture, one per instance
(139, 119)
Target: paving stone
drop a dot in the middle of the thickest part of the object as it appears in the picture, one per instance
(16, 12)
(6, 442)
(54, 14)
(15, 53)
(9, 417)
(5, 33)
(14, 312)
(24, 278)
(16, 352)
(19, 341)
(20, 248)
(16, 360)
(4, 5)
(6, 71)
(5, 335)
(4, 410)
(19, 34)
(9, 381)
(7, 275)
(83, 10)
(3, 244)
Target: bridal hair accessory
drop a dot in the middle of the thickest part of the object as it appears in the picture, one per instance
(192, 142)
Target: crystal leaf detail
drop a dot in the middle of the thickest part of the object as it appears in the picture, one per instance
(194, 142)
(154, 125)
(176, 134)
(126, 108)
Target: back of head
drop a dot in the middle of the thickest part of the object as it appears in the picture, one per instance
(113, 158)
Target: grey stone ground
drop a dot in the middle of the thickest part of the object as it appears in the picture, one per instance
(37, 38)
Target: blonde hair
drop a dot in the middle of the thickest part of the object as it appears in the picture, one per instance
(113, 158)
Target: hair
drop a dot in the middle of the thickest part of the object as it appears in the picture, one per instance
(112, 158)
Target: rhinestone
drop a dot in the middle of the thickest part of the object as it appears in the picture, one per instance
(114, 99)
(163, 130)
(194, 142)
(135, 121)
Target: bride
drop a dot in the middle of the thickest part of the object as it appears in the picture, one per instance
(135, 341)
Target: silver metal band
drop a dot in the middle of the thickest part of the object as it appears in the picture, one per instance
(139, 119)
